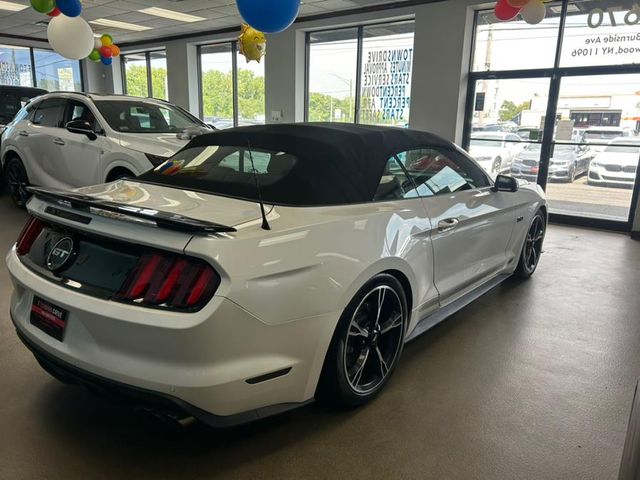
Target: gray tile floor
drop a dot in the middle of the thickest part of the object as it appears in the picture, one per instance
(532, 381)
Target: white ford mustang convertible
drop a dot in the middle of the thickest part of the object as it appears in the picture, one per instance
(263, 267)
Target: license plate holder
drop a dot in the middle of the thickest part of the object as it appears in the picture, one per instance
(48, 317)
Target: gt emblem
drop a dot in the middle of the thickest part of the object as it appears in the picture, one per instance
(60, 254)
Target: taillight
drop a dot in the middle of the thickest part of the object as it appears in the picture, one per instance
(170, 281)
(28, 235)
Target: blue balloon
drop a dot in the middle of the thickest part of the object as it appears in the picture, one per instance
(106, 61)
(269, 16)
(70, 8)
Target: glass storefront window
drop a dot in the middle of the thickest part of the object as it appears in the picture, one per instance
(15, 66)
(216, 84)
(158, 62)
(387, 60)
(601, 33)
(54, 72)
(515, 45)
(332, 75)
(135, 72)
(251, 106)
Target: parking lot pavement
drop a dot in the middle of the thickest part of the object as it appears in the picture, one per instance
(580, 198)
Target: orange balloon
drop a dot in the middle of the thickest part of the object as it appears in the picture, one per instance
(517, 3)
(115, 50)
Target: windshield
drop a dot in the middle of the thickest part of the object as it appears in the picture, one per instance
(228, 171)
(144, 117)
(621, 147)
(488, 141)
(601, 135)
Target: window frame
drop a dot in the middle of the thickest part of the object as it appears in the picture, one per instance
(359, 49)
(147, 57)
(61, 111)
(32, 62)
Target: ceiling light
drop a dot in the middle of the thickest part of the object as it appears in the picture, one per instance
(105, 22)
(161, 12)
(13, 7)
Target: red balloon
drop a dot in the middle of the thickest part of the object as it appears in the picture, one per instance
(54, 13)
(106, 52)
(504, 11)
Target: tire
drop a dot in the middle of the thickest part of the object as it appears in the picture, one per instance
(532, 247)
(17, 180)
(362, 355)
(119, 174)
(572, 174)
(497, 164)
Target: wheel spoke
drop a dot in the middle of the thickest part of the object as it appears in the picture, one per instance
(384, 368)
(360, 369)
(394, 323)
(381, 293)
(356, 330)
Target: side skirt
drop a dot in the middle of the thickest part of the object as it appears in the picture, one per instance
(451, 308)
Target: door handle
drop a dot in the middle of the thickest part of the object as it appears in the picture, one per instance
(58, 141)
(447, 224)
(24, 133)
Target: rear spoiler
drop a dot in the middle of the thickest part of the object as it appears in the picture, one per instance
(162, 219)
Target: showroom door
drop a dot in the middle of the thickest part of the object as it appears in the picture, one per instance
(79, 156)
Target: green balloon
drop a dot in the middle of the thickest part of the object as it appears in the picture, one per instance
(43, 6)
(94, 55)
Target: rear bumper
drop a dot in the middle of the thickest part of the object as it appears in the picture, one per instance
(141, 398)
(212, 361)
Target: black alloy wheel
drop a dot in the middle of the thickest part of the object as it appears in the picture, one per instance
(532, 248)
(17, 181)
(367, 344)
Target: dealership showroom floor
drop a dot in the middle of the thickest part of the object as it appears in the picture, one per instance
(534, 380)
(319, 239)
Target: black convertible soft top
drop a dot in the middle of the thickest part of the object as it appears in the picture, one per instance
(336, 163)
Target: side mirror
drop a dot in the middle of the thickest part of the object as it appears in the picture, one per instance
(82, 127)
(505, 183)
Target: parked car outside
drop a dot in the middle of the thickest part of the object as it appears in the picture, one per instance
(12, 99)
(495, 151)
(66, 140)
(617, 164)
(567, 162)
(529, 133)
(599, 137)
(210, 288)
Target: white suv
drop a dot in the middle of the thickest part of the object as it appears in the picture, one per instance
(67, 140)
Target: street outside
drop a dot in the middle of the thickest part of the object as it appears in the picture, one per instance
(579, 198)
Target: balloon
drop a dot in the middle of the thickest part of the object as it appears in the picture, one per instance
(71, 37)
(105, 52)
(106, 60)
(504, 11)
(252, 43)
(70, 8)
(106, 40)
(94, 55)
(517, 3)
(43, 6)
(97, 43)
(268, 15)
(115, 50)
(533, 12)
(54, 13)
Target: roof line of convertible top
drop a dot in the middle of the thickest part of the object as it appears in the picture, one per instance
(392, 134)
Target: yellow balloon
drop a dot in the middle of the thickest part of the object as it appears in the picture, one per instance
(106, 40)
(517, 3)
(252, 43)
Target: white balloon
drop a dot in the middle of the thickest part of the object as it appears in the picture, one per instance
(533, 12)
(71, 37)
(97, 43)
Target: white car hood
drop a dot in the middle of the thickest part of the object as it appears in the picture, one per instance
(200, 206)
(617, 158)
(162, 144)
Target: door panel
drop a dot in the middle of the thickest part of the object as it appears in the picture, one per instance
(473, 250)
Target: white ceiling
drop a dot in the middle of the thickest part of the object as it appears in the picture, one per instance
(218, 13)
